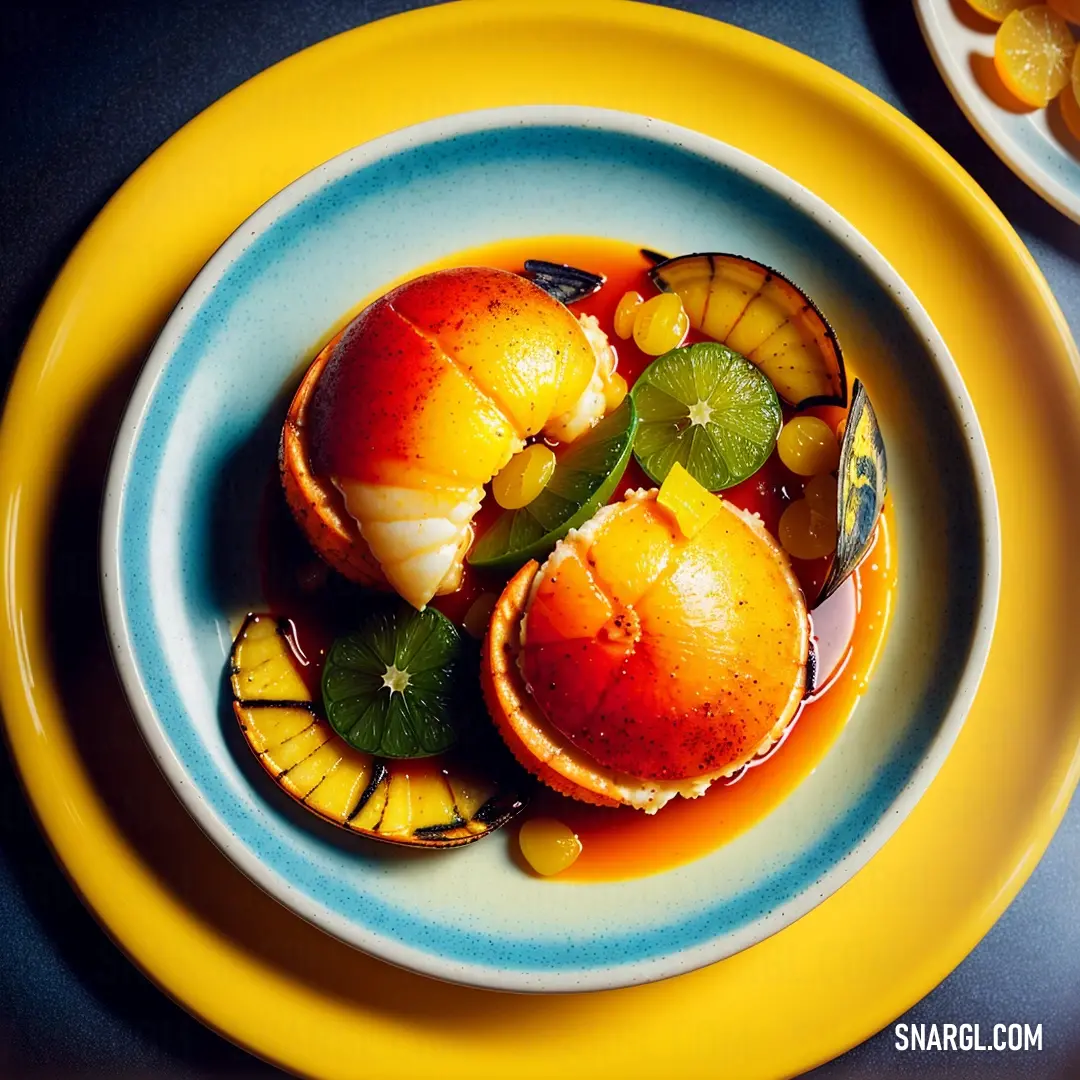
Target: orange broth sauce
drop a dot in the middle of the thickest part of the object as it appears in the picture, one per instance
(848, 631)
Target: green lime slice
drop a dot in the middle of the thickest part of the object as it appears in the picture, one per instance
(584, 479)
(388, 688)
(708, 408)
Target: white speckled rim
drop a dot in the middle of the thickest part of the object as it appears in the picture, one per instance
(1025, 142)
(653, 954)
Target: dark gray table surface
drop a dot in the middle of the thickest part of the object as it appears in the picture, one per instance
(87, 91)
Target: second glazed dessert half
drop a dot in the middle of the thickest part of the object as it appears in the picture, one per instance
(640, 662)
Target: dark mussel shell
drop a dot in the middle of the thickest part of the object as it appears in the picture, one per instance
(862, 483)
(566, 283)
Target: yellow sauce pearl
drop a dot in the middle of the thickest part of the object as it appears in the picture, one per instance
(625, 312)
(820, 493)
(614, 392)
(548, 845)
(808, 447)
(660, 324)
(478, 616)
(806, 533)
(524, 477)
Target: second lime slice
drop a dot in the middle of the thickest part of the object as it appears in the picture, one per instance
(388, 688)
(708, 408)
(585, 476)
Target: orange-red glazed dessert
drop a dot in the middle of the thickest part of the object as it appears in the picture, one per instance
(640, 663)
(426, 396)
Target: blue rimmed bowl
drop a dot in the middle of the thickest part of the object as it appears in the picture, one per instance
(191, 461)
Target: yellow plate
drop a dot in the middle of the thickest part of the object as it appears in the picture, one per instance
(276, 984)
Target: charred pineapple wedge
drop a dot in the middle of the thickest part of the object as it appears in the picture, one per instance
(435, 802)
(759, 313)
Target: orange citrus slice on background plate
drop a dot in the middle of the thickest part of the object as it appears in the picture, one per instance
(1033, 53)
(998, 10)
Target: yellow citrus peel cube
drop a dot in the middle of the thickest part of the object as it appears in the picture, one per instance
(693, 505)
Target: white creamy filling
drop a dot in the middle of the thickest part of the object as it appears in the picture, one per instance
(419, 535)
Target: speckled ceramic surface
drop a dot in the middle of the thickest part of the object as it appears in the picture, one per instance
(200, 435)
(1034, 143)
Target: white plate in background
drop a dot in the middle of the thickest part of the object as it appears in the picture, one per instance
(1035, 143)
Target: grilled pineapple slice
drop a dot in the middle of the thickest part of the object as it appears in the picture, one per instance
(430, 802)
(759, 313)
